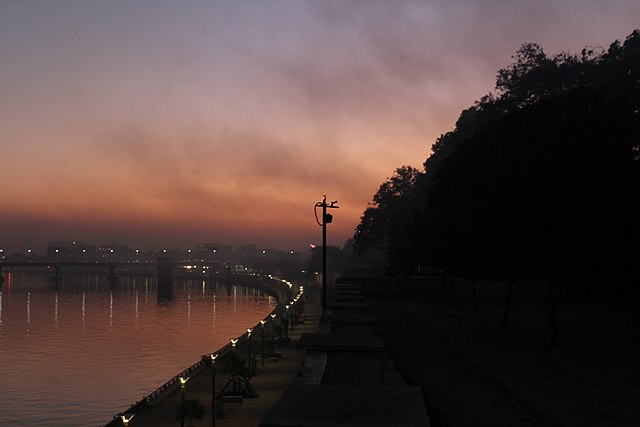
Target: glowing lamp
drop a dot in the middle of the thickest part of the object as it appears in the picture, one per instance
(125, 419)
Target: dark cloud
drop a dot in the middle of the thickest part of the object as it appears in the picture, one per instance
(198, 169)
(228, 118)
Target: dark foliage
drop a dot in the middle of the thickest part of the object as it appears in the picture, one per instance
(537, 181)
(383, 225)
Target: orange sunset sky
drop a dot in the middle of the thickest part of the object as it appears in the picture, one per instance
(172, 123)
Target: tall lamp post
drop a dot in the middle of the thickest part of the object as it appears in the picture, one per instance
(249, 330)
(212, 358)
(272, 346)
(262, 322)
(326, 219)
(183, 386)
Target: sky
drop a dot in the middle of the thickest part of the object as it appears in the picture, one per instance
(163, 124)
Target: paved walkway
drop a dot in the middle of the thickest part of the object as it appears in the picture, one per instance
(270, 381)
(475, 373)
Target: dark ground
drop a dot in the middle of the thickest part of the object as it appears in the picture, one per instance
(474, 373)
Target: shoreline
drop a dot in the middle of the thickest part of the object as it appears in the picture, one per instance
(280, 289)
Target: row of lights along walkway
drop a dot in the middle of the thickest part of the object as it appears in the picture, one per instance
(215, 387)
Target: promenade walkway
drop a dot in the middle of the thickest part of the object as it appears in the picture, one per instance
(343, 368)
(474, 373)
(270, 381)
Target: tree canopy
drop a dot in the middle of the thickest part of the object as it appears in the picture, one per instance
(383, 225)
(539, 179)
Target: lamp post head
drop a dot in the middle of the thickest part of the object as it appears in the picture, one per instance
(125, 419)
(183, 381)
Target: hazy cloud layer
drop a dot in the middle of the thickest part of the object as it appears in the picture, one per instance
(164, 123)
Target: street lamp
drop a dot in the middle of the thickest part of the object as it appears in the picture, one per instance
(249, 330)
(213, 358)
(273, 333)
(262, 322)
(284, 326)
(125, 419)
(326, 219)
(183, 386)
(294, 313)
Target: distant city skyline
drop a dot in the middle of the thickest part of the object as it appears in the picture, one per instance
(119, 247)
(166, 124)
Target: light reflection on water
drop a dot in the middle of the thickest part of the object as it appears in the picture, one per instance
(78, 355)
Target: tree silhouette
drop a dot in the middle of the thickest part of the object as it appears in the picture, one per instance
(383, 225)
(535, 181)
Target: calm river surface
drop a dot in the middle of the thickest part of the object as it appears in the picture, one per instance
(78, 355)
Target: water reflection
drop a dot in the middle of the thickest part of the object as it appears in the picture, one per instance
(28, 309)
(137, 307)
(84, 299)
(99, 335)
(110, 308)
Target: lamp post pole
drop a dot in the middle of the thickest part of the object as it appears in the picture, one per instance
(183, 386)
(326, 219)
(262, 323)
(272, 346)
(213, 388)
(250, 365)
(324, 253)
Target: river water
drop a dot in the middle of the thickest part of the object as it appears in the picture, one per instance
(79, 354)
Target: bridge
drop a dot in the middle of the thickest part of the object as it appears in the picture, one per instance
(164, 268)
